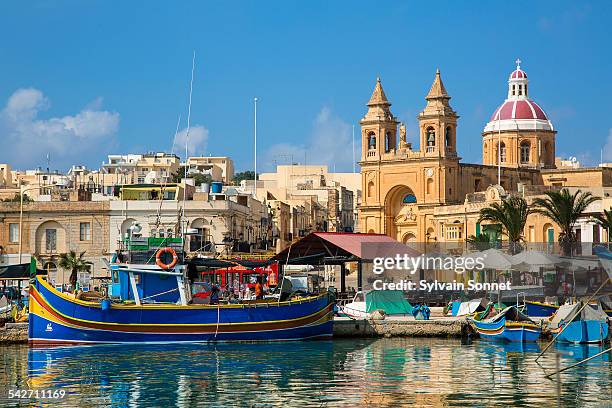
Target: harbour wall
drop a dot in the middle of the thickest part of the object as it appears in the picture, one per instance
(14, 333)
(439, 327)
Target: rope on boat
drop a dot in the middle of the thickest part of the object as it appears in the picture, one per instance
(159, 294)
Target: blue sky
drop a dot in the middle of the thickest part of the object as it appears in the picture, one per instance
(84, 79)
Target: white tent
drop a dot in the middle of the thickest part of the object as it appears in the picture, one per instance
(496, 259)
(532, 261)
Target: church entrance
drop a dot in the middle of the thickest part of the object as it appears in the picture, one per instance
(400, 214)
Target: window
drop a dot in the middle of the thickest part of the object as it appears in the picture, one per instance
(387, 142)
(513, 90)
(13, 232)
(51, 239)
(447, 136)
(525, 152)
(502, 152)
(85, 231)
(454, 232)
(409, 199)
(520, 90)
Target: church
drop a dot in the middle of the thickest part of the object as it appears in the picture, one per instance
(425, 193)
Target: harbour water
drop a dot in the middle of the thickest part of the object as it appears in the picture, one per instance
(344, 373)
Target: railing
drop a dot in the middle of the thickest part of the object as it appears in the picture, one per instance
(430, 149)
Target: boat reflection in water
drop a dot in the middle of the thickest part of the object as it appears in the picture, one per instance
(352, 372)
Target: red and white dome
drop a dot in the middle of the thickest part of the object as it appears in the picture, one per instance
(519, 109)
(518, 74)
(518, 112)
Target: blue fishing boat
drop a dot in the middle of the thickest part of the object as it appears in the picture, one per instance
(577, 324)
(508, 325)
(539, 309)
(153, 303)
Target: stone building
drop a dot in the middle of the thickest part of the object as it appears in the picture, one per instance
(52, 228)
(409, 191)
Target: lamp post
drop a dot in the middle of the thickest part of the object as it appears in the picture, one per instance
(21, 192)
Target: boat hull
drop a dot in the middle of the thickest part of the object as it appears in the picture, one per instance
(537, 309)
(584, 331)
(55, 318)
(503, 330)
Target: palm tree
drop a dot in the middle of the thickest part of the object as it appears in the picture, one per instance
(564, 209)
(480, 242)
(512, 215)
(605, 220)
(75, 264)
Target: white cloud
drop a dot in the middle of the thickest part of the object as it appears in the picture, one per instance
(198, 137)
(69, 139)
(328, 143)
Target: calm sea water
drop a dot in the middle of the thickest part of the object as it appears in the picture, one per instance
(343, 373)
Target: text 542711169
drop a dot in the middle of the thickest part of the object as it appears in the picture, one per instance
(36, 394)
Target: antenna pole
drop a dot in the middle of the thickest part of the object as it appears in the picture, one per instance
(354, 149)
(499, 148)
(255, 147)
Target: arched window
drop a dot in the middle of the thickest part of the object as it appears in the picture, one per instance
(371, 141)
(447, 136)
(409, 199)
(525, 147)
(502, 152)
(520, 90)
(431, 137)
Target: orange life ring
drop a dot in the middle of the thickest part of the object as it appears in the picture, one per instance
(162, 265)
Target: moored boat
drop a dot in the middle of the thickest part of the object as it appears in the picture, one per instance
(539, 309)
(508, 325)
(577, 324)
(153, 303)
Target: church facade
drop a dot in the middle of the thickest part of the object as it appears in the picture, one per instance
(425, 194)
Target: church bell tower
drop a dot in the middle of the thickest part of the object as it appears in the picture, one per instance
(378, 127)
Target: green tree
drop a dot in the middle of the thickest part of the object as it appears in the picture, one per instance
(564, 209)
(605, 220)
(198, 178)
(243, 175)
(75, 264)
(512, 215)
(17, 199)
(480, 242)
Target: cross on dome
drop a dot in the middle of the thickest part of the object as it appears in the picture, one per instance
(518, 63)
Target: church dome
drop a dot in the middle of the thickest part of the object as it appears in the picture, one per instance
(518, 111)
(518, 74)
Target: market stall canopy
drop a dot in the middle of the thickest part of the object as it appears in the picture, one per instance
(212, 263)
(17, 272)
(496, 259)
(532, 260)
(330, 247)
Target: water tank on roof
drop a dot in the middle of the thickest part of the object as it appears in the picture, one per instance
(216, 187)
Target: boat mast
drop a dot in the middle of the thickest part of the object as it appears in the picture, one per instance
(184, 229)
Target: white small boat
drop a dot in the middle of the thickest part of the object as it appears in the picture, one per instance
(391, 302)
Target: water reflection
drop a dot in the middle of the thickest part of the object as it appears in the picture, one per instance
(386, 372)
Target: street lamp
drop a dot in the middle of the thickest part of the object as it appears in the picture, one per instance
(21, 192)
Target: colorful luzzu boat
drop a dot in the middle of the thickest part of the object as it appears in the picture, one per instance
(60, 318)
(580, 325)
(539, 309)
(508, 325)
